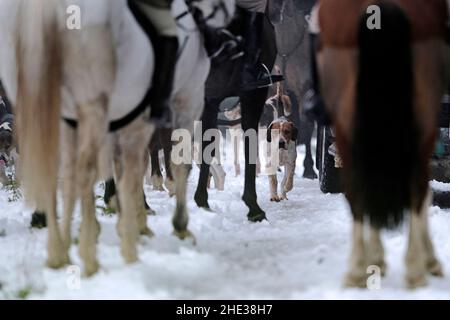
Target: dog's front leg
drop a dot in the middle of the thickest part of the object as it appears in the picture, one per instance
(273, 188)
(288, 180)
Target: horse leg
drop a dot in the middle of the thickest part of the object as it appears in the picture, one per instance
(132, 142)
(91, 133)
(375, 250)
(166, 141)
(416, 257)
(433, 265)
(357, 276)
(157, 178)
(308, 163)
(181, 218)
(110, 196)
(252, 105)
(149, 210)
(209, 121)
(69, 160)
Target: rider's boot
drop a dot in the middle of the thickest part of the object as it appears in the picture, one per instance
(254, 74)
(166, 53)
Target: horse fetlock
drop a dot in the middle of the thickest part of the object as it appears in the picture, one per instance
(129, 252)
(91, 268)
(416, 273)
(180, 220)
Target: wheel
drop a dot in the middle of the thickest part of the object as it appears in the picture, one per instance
(329, 175)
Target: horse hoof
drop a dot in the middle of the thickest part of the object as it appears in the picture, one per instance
(416, 281)
(185, 234)
(38, 220)
(258, 216)
(355, 281)
(92, 269)
(147, 232)
(435, 268)
(57, 262)
(201, 202)
(311, 175)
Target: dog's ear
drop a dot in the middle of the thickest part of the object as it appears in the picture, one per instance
(269, 133)
(294, 133)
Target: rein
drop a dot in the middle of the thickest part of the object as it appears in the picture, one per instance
(286, 56)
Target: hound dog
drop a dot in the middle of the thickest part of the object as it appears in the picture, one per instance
(287, 153)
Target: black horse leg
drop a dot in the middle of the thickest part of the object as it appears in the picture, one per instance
(252, 105)
(110, 190)
(38, 220)
(209, 121)
(308, 164)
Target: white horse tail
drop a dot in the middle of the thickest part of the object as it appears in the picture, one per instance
(38, 53)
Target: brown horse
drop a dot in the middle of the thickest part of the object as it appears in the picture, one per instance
(382, 88)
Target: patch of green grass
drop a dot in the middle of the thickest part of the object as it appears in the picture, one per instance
(107, 211)
(24, 293)
(12, 187)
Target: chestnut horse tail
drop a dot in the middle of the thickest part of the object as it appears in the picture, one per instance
(38, 53)
(385, 146)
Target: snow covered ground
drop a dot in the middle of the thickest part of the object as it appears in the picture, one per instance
(301, 252)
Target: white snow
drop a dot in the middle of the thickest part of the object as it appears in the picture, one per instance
(301, 252)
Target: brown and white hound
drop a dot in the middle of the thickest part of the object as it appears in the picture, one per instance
(287, 153)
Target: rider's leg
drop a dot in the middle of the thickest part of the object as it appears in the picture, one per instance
(254, 75)
(166, 52)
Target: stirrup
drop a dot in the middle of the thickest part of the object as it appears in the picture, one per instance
(267, 80)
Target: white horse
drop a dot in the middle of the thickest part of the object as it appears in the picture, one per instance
(94, 75)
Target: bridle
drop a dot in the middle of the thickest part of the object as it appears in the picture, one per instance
(193, 9)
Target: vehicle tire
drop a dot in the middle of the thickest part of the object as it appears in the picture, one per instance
(329, 175)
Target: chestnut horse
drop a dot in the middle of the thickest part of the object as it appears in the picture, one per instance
(382, 87)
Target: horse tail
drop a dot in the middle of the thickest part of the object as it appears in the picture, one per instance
(38, 53)
(385, 146)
